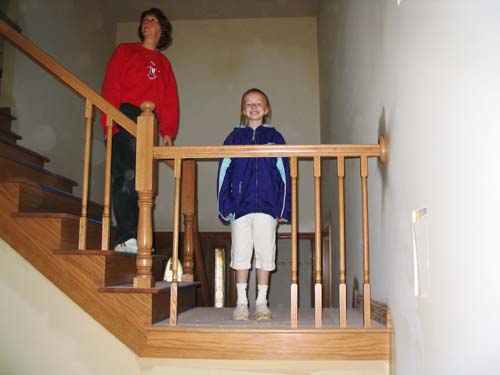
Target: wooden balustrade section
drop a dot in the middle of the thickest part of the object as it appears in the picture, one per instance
(317, 153)
(93, 100)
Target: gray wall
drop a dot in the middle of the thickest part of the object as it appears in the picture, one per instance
(215, 61)
(50, 117)
(426, 74)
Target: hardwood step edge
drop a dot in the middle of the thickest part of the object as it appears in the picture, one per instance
(38, 168)
(102, 252)
(11, 134)
(47, 188)
(164, 287)
(24, 149)
(5, 112)
(52, 215)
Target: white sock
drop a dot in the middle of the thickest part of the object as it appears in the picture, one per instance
(261, 296)
(241, 289)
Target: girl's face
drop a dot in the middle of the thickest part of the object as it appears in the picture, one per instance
(254, 108)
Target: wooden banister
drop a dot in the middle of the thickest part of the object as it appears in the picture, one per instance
(64, 75)
(317, 153)
(92, 98)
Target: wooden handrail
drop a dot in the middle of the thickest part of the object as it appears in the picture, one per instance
(301, 151)
(65, 76)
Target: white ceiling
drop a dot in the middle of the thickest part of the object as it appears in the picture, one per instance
(129, 10)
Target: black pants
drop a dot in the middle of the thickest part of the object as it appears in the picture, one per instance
(123, 195)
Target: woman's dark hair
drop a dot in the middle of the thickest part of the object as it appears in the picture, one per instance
(166, 27)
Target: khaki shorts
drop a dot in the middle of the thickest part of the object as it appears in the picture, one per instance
(253, 231)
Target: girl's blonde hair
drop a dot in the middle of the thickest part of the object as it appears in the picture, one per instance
(267, 117)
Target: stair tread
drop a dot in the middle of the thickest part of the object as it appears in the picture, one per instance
(24, 149)
(10, 133)
(29, 181)
(162, 286)
(5, 112)
(52, 215)
(38, 168)
(101, 252)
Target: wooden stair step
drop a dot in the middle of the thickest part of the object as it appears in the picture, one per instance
(67, 227)
(6, 119)
(12, 148)
(186, 294)
(120, 268)
(10, 135)
(43, 198)
(11, 166)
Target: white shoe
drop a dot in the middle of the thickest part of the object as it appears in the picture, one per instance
(240, 312)
(262, 312)
(129, 246)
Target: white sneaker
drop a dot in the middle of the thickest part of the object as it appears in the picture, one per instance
(262, 312)
(240, 312)
(129, 246)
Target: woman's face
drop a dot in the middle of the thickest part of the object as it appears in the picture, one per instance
(150, 27)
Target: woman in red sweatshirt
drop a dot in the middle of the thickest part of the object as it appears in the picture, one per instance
(138, 72)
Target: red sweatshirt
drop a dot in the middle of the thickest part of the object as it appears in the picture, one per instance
(136, 74)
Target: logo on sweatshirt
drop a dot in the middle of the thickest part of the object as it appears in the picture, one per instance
(152, 70)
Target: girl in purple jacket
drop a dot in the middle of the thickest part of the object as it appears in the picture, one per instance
(253, 195)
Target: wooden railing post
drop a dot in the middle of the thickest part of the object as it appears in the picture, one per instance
(82, 234)
(145, 178)
(175, 242)
(294, 298)
(188, 211)
(318, 290)
(106, 221)
(366, 244)
(342, 265)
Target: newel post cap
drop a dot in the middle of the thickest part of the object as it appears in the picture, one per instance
(148, 106)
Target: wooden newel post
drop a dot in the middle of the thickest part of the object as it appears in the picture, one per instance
(145, 178)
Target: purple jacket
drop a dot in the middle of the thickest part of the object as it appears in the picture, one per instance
(250, 185)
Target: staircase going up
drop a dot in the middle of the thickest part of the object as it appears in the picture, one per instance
(40, 219)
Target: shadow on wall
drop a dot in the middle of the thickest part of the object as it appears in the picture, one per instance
(384, 131)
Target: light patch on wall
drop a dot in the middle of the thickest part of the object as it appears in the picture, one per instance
(399, 2)
(45, 137)
(421, 266)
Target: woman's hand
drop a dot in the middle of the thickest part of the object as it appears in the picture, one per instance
(167, 141)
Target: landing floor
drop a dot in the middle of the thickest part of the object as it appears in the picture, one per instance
(210, 317)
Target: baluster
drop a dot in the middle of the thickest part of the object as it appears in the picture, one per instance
(107, 185)
(366, 245)
(294, 303)
(175, 244)
(342, 278)
(188, 208)
(318, 291)
(82, 236)
(144, 185)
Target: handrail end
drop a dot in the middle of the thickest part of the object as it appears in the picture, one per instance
(383, 149)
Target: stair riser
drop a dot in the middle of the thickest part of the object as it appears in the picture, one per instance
(35, 199)
(122, 270)
(69, 235)
(11, 168)
(20, 153)
(5, 124)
